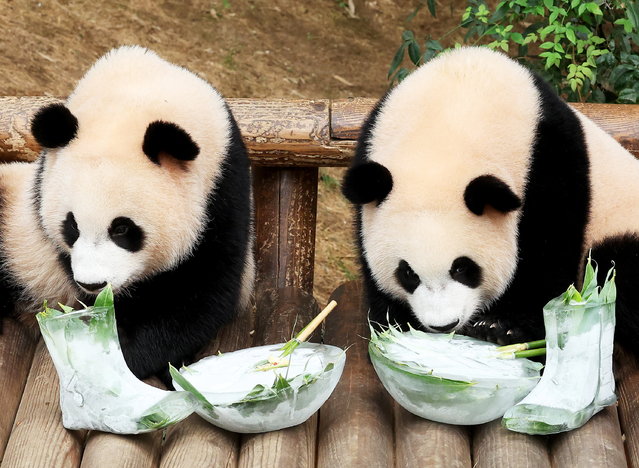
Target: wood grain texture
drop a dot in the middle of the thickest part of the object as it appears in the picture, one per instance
(348, 116)
(627, 372)
(280, 132)
(291, 132)
(419, 442)
(194, 441)
(105, 450)
(494, 445)
(597, 443)
(620, 120)
(356, 423)
(17, 345)
(16, 141)
(285, 215)
(276, 132)
(38, 438)
(279, 312)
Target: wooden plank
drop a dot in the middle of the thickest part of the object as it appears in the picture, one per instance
(279, 311)
(276, 132)
(17, 345)
(291, 132)
(281, 132)
(16, 141)
(142, 450)
(420, 442)
(627, 372)
(348, 116)
(38, 437)
(194, 441)
(105, 450)
(597, 443)
(285, 214)
(356, 423)
(620, 120)
(494, 445)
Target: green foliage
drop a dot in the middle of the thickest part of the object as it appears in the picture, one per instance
(330, 182)
(588, 50)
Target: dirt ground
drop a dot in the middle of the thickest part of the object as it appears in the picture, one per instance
(248, 48)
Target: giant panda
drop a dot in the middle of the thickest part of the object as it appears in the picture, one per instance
(143, 183)
(478, 195)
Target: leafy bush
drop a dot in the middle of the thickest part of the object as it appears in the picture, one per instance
(588, 50)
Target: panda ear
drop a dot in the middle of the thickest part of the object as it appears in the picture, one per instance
(54, 126)
(169, 138)
(490, 190)
(367, 182)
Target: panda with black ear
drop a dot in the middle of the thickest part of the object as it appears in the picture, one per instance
(479, 193)
(143, 183)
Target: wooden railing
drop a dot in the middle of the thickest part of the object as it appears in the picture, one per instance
(359, 425)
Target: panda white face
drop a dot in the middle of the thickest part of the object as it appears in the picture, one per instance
(447, 303)
(435, 261)
(118, 218)
(100, 256)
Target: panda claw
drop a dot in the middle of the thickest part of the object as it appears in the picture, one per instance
(493, 325)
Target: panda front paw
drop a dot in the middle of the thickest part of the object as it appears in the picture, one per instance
(496, 330)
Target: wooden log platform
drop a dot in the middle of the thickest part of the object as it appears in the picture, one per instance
(360, 424)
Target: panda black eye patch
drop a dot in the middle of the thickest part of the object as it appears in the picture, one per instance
(126, 234)
(70, 231)
(466, 272)
(407, 278)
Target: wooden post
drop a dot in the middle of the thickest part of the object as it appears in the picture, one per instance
(285, 213)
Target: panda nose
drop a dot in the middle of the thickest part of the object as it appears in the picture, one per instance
(445, 328)
(91, 287)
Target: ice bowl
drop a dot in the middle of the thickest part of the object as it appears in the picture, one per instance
(235, 396)
(449, 378)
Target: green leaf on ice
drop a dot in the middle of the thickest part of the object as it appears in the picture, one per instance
(186, 385)
(105, 298)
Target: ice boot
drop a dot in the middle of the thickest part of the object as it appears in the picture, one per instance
(97, 389)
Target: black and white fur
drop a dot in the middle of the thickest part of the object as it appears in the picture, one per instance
(479, 192)
(143, 183)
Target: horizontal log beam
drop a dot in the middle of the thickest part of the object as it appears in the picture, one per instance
(292, 132)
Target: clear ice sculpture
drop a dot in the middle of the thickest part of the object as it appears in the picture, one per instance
(449, 378)
(578, 381)
(234, 395)
(97, 389)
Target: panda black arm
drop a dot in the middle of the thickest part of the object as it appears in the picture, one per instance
(623, 252)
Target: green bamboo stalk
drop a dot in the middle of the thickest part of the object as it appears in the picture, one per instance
(522, 354)
(522, 346)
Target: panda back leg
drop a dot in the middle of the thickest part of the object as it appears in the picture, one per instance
(624, 252)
